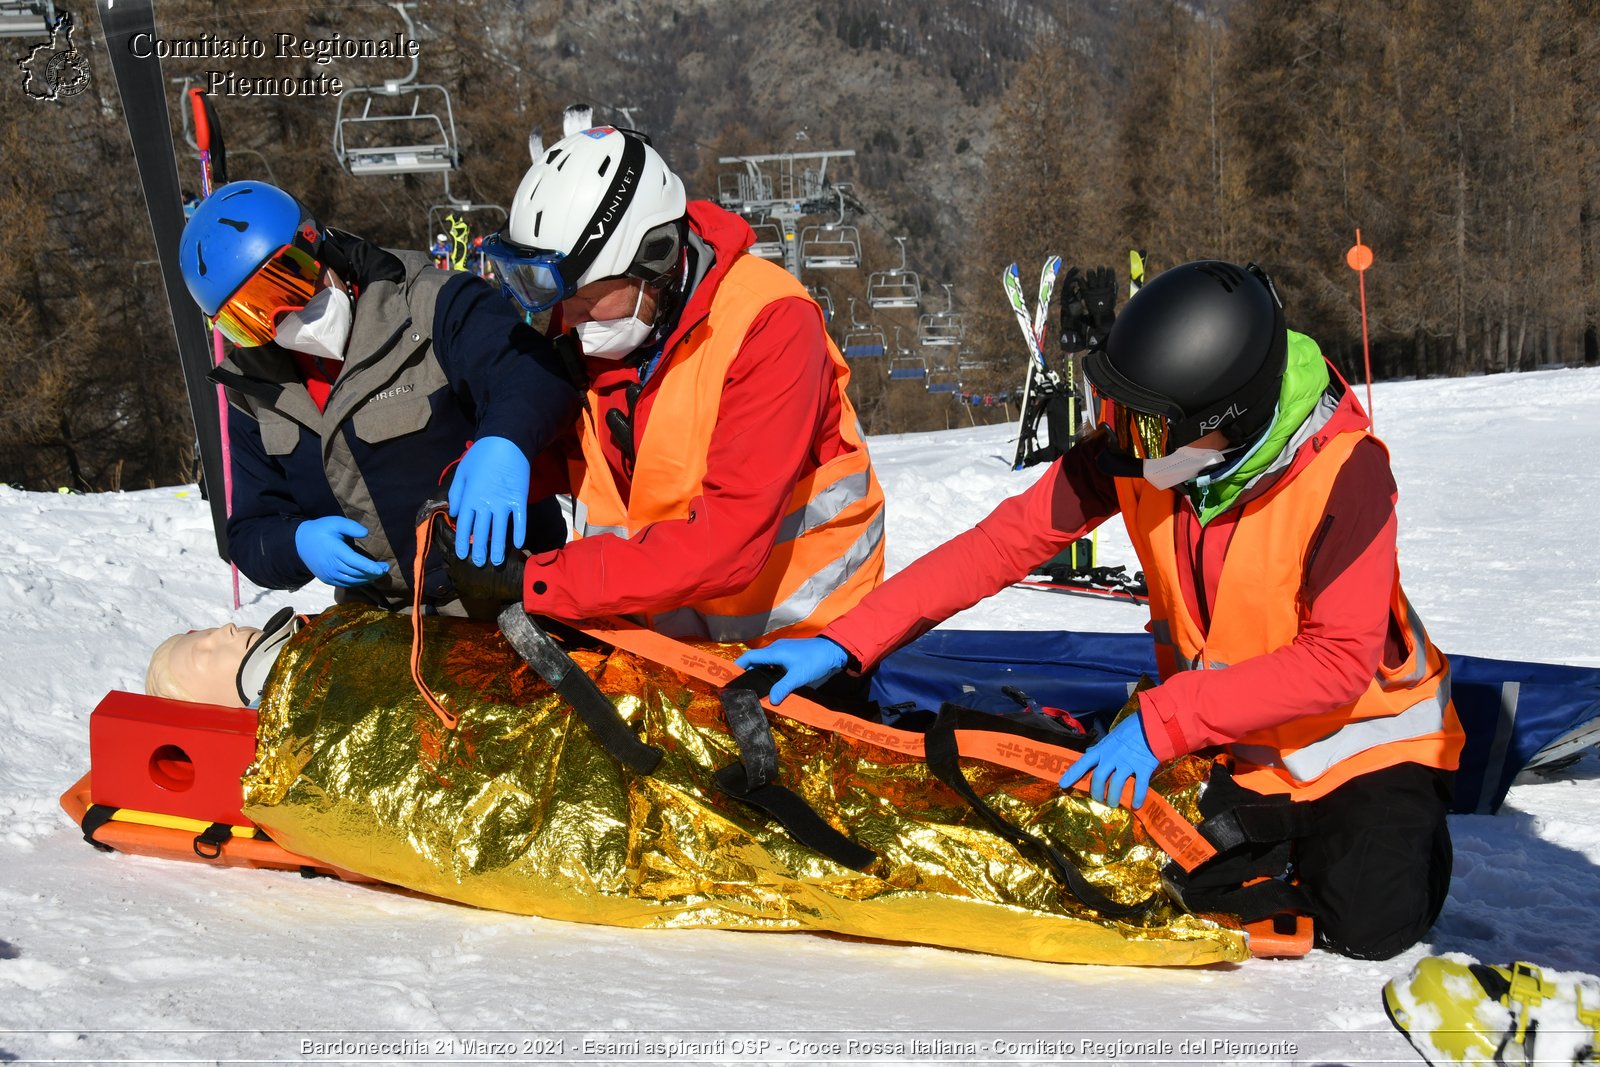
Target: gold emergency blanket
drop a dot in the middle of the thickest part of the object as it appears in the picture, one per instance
(519, 809)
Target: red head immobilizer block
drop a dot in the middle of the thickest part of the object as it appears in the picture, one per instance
(172, 757)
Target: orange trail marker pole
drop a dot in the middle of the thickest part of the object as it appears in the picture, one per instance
(1359, 257)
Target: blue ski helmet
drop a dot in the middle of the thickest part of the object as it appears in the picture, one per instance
(232, 233)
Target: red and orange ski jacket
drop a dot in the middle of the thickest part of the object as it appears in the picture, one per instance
(750, 510)
(1295, 590)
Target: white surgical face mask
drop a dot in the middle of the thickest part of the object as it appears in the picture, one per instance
(322, 327)
(1180, 465)
(615, 338)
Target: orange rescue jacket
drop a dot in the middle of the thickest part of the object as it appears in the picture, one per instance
(1405, 714)
(828, 552)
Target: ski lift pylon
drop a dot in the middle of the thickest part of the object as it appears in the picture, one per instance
(864, 341)
(897, 287)
(406, 141)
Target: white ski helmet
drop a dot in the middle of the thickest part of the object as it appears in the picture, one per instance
(601, 203)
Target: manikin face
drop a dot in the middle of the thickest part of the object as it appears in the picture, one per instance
(206, 662)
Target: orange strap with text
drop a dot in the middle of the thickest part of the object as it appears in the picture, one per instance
(424, 542)
(1175, 834)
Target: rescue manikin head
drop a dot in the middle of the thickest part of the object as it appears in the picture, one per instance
(201, 665)
(1197, 352)
(225, 665)
(249, 257)
(601, 204)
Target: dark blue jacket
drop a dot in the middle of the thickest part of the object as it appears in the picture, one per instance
(435, 360)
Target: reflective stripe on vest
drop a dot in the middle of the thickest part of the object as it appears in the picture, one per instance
(828, 547)
(1426, 716)
(823, 508)
(592, 531)
(688, 622)
(1403, 715)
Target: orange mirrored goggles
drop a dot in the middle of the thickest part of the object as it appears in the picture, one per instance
(284, 283)
(1137, 433)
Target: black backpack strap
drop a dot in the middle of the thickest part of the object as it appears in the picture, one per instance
(753, 779)
(552, 663)
(1254, 835)
(1251, 903)
(944, 761)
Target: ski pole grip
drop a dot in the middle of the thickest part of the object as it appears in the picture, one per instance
(202, 119)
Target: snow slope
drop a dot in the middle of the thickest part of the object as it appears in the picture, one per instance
(118, 958)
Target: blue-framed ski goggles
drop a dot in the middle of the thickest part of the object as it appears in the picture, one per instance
(532, 276)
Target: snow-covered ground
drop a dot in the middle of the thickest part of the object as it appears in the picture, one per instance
(119, 958)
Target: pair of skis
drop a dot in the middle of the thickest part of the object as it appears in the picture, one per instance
(144, 104)
(1032, 324)
(1114, 587)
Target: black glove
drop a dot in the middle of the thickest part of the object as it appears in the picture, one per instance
(501, 584)
(1088, 308)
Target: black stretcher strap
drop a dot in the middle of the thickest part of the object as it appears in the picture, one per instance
(208, 844)
(754, 779)
(551, 663)
(944, 761)
(747, 722)
(94, 818)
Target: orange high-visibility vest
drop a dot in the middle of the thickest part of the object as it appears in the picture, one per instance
(829, 548)
(1405, 714)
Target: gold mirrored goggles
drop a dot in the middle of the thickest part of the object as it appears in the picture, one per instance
(284, 283)
(1137, 433)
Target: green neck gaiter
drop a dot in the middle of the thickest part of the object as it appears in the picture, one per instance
(1305, 378)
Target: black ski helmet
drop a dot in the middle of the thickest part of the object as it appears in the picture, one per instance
(1203, 345)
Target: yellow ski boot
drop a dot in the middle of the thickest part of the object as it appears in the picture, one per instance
(1456, 1011)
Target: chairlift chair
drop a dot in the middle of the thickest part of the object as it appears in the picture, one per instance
(769, 241)
(22, 19)
(905, 366)
(495, 214)
(414, 142)
(470, 256)
(942, 377)
(897, 287)
(410, 141)
(824, 300)
(941, 328)
(831, 245)
(745, 186)
(864, 341)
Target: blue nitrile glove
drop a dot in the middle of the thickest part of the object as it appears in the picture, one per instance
(805, 661)
(489, 494)
(1119, 755)
(323, 548)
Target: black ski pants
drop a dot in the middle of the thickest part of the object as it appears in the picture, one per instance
(1376, 866)
(1370, 862)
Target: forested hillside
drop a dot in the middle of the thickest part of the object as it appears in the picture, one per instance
(1461, 136)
